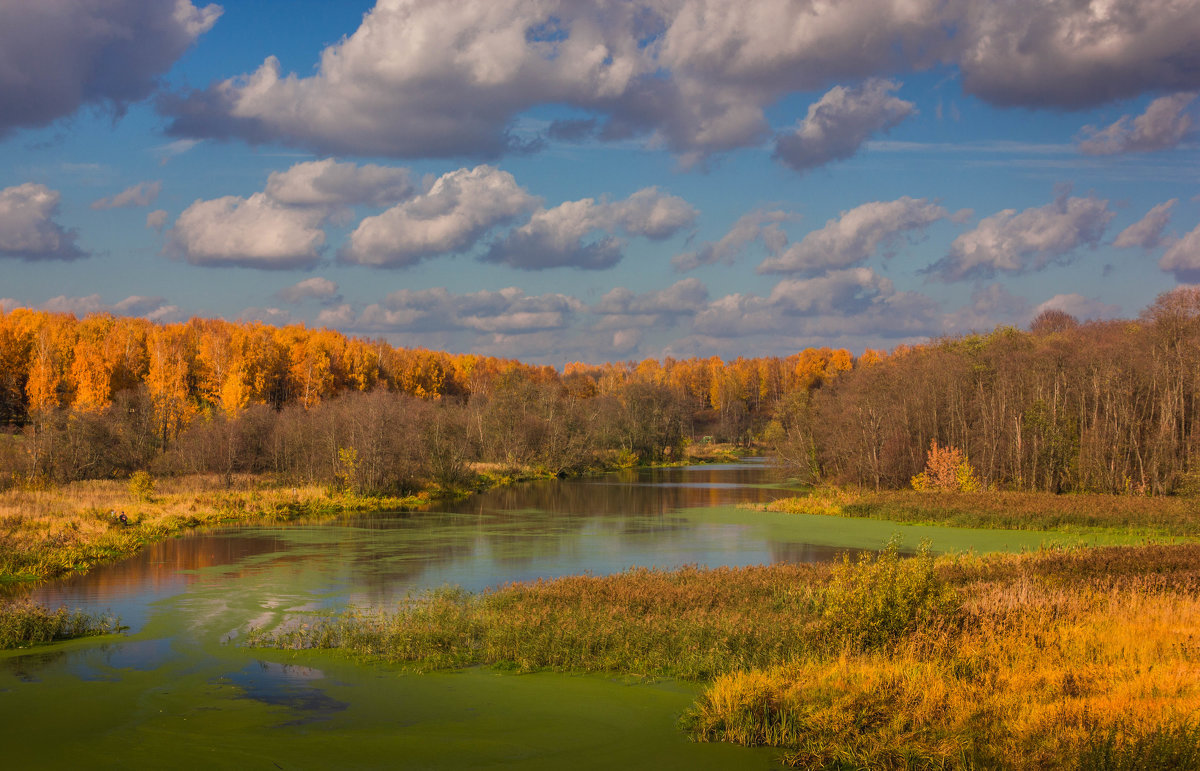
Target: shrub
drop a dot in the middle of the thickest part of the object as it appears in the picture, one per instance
(346, 475)
(947, 469)
(141, 486)
(878, 600)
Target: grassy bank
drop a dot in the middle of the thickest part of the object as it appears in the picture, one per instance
(1060, 659)
(1081, 513)
(24, 623)
(49, 532)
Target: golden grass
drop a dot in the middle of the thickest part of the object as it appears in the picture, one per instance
(1065, 660)
(1076, 512)
(1084, 658)
(48, 532)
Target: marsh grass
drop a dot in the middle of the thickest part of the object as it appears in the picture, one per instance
(1083, 513)
(24, 623)
(1085, 658)
(49, 531)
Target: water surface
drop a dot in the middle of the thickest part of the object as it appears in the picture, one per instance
(179, 691)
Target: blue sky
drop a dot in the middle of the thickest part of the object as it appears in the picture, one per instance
(560, 181)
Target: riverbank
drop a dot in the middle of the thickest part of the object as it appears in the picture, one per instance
(47, 531)
(50, 532)
(1077, 513)
(1060, 659)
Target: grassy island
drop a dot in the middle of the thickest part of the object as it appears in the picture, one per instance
(1059, 659)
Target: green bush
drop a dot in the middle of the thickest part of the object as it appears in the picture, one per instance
(880, 599)
(141, 486)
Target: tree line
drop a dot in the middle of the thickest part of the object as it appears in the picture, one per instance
(1062, 406)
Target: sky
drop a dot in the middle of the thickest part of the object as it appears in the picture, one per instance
(560, 180)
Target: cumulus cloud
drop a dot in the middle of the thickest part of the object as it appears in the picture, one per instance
(1033, 53)
(622, 308)
(855, 236)
(506, 311)
(750, 227)
(840, 123)
(555, 237)
(1085, 308)
(419, 79)
(329, 183)
(57, 55)
(27, 227)
(693, 75)
(685, 296)
(1148, 231)
(842, 302)
(254, 232)
(1163, 125)
(1183, 258)
(141, 194)
(1012, 242)
(458, 209)
(283, 226)
(316, 288)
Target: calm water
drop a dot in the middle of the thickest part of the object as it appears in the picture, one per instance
(179, 691)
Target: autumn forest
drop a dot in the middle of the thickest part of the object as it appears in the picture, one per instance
(1064, 406)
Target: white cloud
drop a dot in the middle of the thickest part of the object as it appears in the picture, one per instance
(274, 316)
(1062, 53)
(854, 301)
(421, 78)
(1163, 125)
(855, 236)
(338, 316)
(1012, 242)
(1183, 258)
(157, 220)
(625, 340)
(750, 227)
(1148, 231)
(57, 55)
(329, 183)
(685, 296)
(254, 232)
(141, 194)
(316, 288)
(27, 227)
(840, 123)
(1084, 308)
(459, 208)
(173, 149)
(507, 311)
(990, 306)
(555, 237)
(135, 305)
(622, 308)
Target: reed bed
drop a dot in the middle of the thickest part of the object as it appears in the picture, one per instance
(24, 623)
(1155, 516)
(1083, 658)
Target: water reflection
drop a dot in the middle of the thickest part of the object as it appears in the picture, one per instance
(540, 529)
(285, 685)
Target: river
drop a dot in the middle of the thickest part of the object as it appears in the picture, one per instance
(177, 690)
